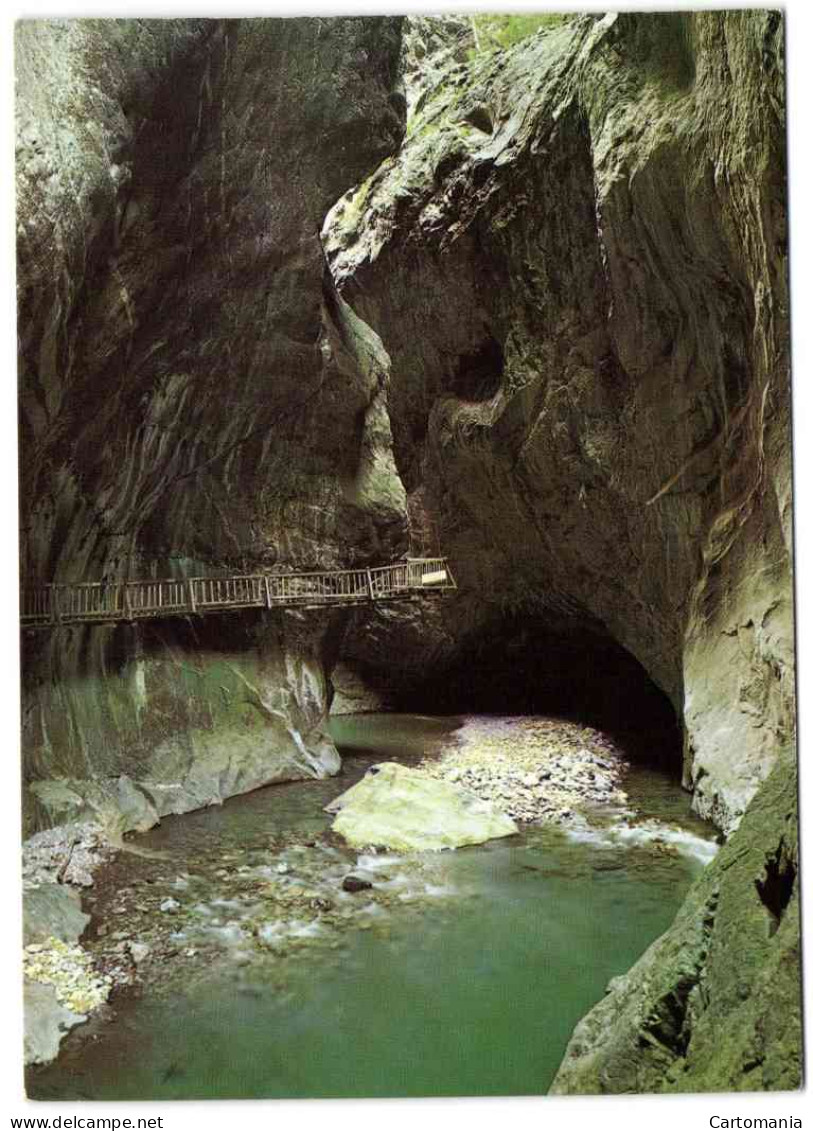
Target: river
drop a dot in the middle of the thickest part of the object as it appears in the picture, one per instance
(466, 980)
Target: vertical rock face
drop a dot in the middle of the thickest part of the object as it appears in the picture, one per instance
(193, 395)
(172, 717)
(577, 265)
(175, 364)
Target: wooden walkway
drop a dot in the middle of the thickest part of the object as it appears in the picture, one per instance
(97, 602)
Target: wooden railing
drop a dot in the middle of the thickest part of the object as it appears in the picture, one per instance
(43, 606)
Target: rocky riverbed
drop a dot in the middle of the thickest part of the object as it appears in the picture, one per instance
(64, 982)
(210, 889)
(265, 902)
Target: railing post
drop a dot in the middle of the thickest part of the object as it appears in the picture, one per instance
(267, 590)
(128, 612)
(370, 585)
(192, 603)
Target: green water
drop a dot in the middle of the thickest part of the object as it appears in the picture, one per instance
(474, 991)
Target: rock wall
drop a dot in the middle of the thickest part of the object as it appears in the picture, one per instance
(166, 718)
(194, 396)
(577, 263)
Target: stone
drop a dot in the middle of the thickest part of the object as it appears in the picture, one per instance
(46, 1022)
(52, 911)
(403, 809)
(531, 410)
(591, 443)
(171, 906)
(355, 883)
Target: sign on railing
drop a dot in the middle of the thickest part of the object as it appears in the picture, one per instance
(105, 601)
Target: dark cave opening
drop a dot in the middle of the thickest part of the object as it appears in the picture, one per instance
(518, 666)
(775, 889)
(478, 374)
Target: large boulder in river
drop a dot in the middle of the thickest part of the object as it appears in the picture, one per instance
(400, 808)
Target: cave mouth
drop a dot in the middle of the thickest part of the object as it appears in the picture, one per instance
(519, 666)
(478, 375)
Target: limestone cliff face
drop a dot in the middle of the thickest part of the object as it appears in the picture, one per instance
(193, 394)
(577, 265)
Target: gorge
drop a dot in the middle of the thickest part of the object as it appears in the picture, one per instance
(319, 294)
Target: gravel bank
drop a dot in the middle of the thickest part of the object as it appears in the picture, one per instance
(533, 769)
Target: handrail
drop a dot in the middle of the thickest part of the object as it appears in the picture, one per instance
(89, 602)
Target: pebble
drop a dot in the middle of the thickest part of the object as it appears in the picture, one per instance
(170, 906)
(70, 971)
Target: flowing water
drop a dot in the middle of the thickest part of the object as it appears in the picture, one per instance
(467, 982)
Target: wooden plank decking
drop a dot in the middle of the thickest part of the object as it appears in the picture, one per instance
(46, 606)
